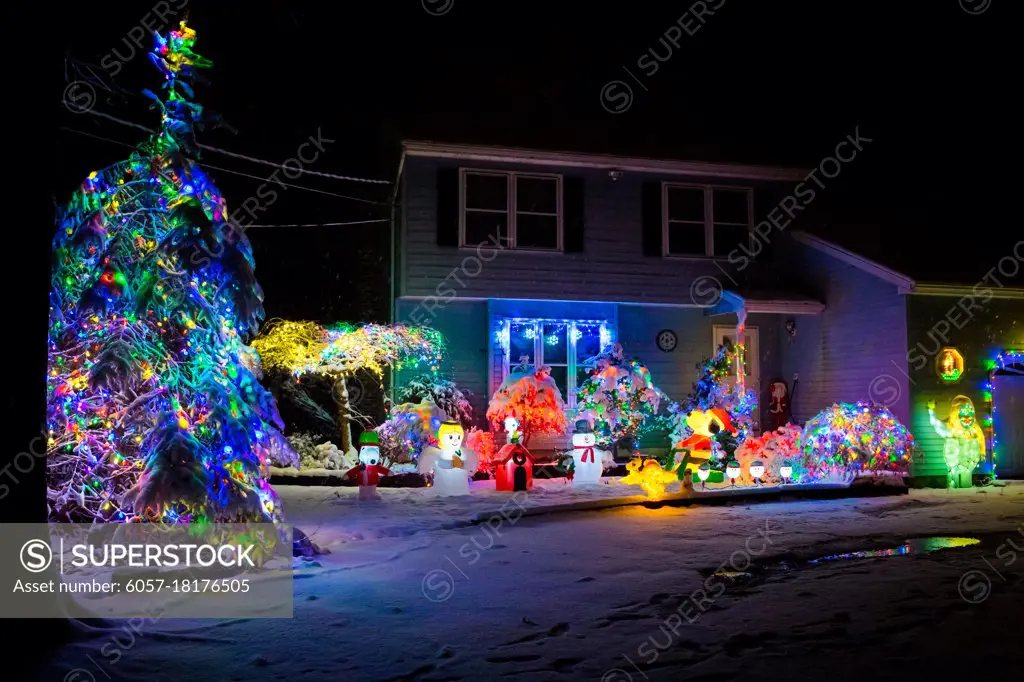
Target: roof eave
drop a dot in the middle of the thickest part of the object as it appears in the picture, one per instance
(486, 154)
(902, 282)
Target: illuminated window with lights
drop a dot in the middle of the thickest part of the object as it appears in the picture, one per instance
(566, 346)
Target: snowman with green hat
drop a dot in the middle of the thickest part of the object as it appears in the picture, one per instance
(369, 471)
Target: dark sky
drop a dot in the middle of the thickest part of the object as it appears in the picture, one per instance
(770, 82)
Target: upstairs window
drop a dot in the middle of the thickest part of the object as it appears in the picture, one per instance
(518, 210)
(703, 221)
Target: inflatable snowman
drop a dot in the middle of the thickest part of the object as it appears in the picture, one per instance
(369, 471)
(451, 464)
(588, 462)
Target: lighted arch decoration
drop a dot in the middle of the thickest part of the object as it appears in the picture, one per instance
(949, 365)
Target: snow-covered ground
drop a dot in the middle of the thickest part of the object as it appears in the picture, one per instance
(412, 591)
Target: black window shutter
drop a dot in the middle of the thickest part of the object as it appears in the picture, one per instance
(652, 218)
(447, 206)
(573, 215)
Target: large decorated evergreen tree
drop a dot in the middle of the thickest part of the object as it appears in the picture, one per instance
(619, 398)
(155, 411)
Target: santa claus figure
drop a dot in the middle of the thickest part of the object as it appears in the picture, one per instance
(369, 471)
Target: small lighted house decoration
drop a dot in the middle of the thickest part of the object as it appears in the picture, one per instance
(514, 472)
(949, 365)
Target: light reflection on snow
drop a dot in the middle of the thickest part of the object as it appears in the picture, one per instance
(913, 546)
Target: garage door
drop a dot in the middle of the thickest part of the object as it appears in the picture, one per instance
(1008, 399)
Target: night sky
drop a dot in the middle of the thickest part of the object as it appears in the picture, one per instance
(928, 82)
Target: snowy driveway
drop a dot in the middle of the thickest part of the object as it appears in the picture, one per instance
(412, 593)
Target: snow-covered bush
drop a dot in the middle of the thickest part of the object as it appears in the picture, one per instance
(318, 455)
(442, 392)
(773, 448)
(532, 397)
(482, 442)
(619, 398)
(862, 438)
(410, 427)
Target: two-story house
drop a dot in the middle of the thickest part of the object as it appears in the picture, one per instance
(552, 255)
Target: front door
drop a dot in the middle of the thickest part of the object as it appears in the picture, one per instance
(751, 364)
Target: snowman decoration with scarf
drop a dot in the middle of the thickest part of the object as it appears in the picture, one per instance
(588, 461)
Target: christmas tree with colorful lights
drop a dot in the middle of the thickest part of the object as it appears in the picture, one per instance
(155, 410)
(714, 390)
(619, 398)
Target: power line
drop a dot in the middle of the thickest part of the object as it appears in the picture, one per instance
(246, 175)
(351, 222)
(247, 158)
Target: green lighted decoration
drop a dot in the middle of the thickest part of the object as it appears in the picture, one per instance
(949, 365)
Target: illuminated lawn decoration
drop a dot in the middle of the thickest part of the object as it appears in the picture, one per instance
(154, 408)
(757, 470)
(703, 473)
(649, 475)
(949, 365)
(733, 471)
(618, 397)
(786, 471)
(964, 446)
(342, 350)
(859, 438)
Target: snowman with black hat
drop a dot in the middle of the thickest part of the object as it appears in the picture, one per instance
(588, 461)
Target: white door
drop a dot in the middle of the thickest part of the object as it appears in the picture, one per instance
(751, 362)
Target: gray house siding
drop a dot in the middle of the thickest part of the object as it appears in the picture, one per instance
(932, 323)
(611, 267)
(855, 350)
(464, 326)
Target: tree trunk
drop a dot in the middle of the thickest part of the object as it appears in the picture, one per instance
(344, 423)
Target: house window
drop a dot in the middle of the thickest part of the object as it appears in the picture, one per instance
(568, 347)
(702, 220)
(522, 211)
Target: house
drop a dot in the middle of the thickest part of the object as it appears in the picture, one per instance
(552, 255)
(914, 335)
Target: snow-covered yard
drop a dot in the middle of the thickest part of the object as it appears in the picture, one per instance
(412, 591)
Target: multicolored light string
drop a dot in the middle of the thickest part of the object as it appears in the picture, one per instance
(1011, 361)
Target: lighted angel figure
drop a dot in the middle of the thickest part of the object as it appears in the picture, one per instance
(965, 441)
